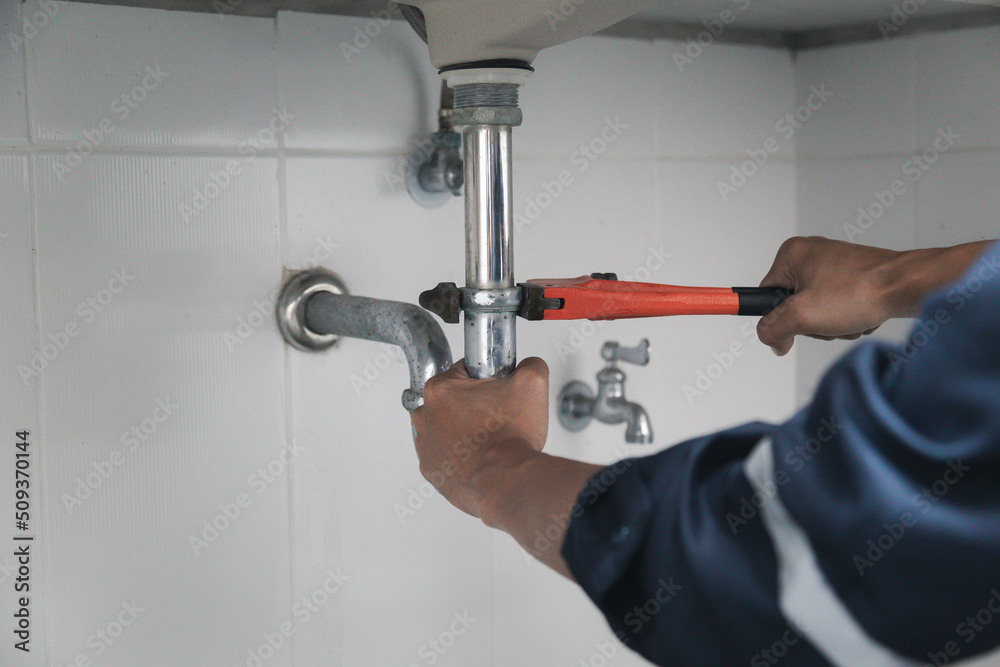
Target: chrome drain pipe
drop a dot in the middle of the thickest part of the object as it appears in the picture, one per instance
(486, 110)
(490, 344)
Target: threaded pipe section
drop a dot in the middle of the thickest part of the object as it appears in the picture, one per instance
(485, 95)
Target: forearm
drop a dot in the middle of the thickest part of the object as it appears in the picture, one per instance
(532, 500)
(911, 276)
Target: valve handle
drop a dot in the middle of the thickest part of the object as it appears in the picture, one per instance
(638, 355)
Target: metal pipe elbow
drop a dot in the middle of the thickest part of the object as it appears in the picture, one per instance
(402, 324)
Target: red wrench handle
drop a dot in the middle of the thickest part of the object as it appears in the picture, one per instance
(596, 299)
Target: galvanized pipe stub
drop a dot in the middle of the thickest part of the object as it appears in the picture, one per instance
(510, 116)
(485, 95)
(291, 308)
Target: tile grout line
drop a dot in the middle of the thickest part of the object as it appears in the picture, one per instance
(332, 153)
(914, 79)
(896, 154)
(493, 600)
(796, 217)
(283, 245)
(656, 99)
(272, 151)
(37, 323)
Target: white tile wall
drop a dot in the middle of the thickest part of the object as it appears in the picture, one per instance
(13, 116)
(207, 251)
(957, 199)
(355, 84)
(892, 101)
(155, 302)
(958, 84)
(20, 407)
(544, 619)
(830, 194)
(858, 200)
(602, 219)
(872, 110)
(126, 76)
(351, 497)
(596, 100)
(725, 102)
(720, 243)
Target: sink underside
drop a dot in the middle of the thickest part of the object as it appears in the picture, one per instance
(794, 24)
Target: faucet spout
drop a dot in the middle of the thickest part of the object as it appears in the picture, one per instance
(638, 429)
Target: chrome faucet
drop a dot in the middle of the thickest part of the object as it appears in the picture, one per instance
(578, 405)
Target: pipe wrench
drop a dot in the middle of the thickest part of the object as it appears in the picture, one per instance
(601, 296)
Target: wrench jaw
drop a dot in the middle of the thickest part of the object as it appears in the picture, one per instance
(534, 303)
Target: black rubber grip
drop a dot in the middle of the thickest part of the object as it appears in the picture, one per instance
(760, 300)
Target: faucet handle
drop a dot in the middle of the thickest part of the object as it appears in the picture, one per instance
(639, 355)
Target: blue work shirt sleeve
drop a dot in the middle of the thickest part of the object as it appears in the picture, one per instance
(891, 472)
